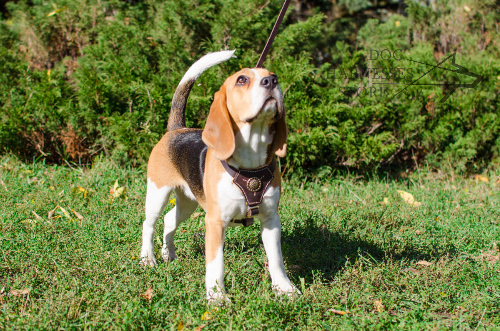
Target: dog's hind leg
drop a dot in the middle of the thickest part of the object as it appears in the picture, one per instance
(156, 199)
(184, 207)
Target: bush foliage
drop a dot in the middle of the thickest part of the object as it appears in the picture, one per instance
(83, 78)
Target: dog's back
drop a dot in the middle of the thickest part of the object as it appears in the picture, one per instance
(189, 152)
(165, 167)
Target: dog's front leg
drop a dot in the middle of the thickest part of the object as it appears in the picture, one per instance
(271, 237)
(214, 254)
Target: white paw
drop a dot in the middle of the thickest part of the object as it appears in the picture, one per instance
(147, 258)
(286, 288)
(218, 298)
(168, 254)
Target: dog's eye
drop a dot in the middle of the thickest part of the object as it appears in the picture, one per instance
(242, 80)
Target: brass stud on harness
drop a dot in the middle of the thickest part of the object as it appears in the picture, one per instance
(254, 184)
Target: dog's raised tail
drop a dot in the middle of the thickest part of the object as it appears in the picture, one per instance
(177, 118)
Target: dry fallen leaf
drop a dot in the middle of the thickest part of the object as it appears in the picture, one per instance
(205, 316)
(51, 213)
(52, 13)
(19, 292)
(379, 306)
(199, 328)
(195, 215)
(148, 295)
(65, 212)
(408, 198)
(481, 178)
(83, 190)
(116, 191)
(77, 214)
(119, 192)
(424, 263)
(337, 312)
(112, 190)
(38, 217)
(180, 326)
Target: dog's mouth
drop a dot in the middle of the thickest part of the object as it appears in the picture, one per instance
(271, 101)
(270, 106)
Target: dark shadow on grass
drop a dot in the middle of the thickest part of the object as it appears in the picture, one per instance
(309, 248)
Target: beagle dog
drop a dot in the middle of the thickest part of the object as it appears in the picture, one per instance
(228, 168)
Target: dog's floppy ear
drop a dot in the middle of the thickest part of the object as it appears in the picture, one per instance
(280, 134)
(218, 133)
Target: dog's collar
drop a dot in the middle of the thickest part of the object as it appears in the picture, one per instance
(253, 183)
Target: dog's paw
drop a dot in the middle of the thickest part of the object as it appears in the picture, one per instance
(286, 288)
(218, 299)
(168, 254)
(147, 259)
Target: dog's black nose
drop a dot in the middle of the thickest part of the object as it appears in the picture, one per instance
(269, 82)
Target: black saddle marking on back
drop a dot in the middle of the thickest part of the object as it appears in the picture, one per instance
(189, 152)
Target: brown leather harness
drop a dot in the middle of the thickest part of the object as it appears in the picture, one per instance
(253, 183)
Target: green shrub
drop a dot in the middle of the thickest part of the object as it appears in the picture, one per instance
(84, 78)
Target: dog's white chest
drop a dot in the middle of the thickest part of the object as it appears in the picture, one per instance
(233, 205)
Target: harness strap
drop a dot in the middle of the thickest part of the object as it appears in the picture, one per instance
(253, 183)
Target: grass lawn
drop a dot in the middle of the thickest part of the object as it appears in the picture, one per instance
(360, 264)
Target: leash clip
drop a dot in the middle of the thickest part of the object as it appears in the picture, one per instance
(252, 211)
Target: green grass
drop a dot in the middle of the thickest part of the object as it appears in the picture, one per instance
(342, 248)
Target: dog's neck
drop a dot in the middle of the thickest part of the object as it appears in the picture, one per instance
(252, 142)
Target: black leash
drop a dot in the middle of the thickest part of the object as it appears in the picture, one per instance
(273, 34)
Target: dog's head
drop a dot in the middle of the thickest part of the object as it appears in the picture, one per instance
(248, 96)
